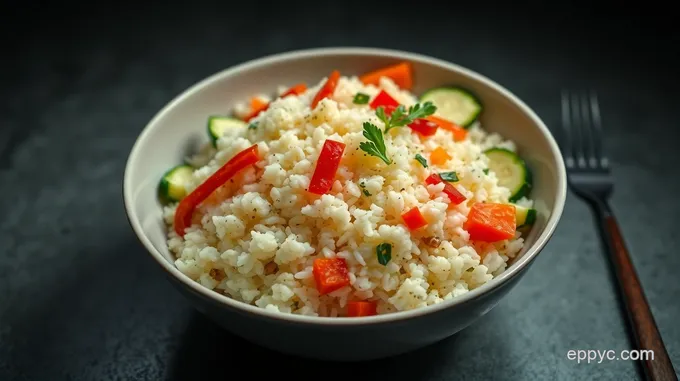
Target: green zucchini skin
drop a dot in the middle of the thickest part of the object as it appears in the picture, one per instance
(459, 95)
(525, 216)
(171, 186)
(218, 124)
(512, 172)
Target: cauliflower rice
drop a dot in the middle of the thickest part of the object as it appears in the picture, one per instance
(256, 238)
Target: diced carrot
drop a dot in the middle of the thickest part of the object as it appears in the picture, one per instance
(491, 222)
(295, 90)
(256, 107)
(414, 219)
(459, 133)
(257, 104)
(439, 156)
(330, 274)
(401, 73)
(361, 308)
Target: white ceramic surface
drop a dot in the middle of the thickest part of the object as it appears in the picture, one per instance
(180, 127)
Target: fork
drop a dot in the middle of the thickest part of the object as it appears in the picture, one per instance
(589, 177)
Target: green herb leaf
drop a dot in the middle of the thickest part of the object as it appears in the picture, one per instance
(418, 111)
(449, 176)
(399, 117)
(252, 126)
(380, 113)
(486, 171)
(384, 252)
(421, 160)
(376, 145)
(366, 193)
(402, 117)
(361, 99)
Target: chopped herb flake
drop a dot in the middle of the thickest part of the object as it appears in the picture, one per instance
(252, 126)
(486, 171)
(363, 189)
(384, 252)
(361, 99)
(449, 176)
(421, 160)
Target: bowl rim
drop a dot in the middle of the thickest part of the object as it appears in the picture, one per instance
(515, 269)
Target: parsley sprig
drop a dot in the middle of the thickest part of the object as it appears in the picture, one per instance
(376, 144)
(400, 117)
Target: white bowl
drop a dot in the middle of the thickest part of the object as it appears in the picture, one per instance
(180, 127)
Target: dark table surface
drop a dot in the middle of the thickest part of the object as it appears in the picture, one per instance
(80, 299)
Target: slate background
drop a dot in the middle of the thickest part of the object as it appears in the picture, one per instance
(81, 300)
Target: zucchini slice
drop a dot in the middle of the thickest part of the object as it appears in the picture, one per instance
(454, 103)
(172, 185)
(511, 171)
(218, 124)
(524, 216)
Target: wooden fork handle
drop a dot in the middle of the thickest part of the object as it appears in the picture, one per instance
(658, 368)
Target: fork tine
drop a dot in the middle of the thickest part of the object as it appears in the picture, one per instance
(598, 135)
(578, 129)
(568, 146)
(589, 135)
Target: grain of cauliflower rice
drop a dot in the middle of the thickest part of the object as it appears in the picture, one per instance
(321, 219)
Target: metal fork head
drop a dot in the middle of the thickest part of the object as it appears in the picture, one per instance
(582, 146)
(583, 140)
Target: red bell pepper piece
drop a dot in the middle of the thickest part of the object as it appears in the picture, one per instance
(389, 109)
(414, 219)
(357, 308)
(491, 222)
(326, 167)
(330, 274)
(327, 89)
(454, 195)
(186, 207)
(424, 127)
(385, 100)
(295, 90)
